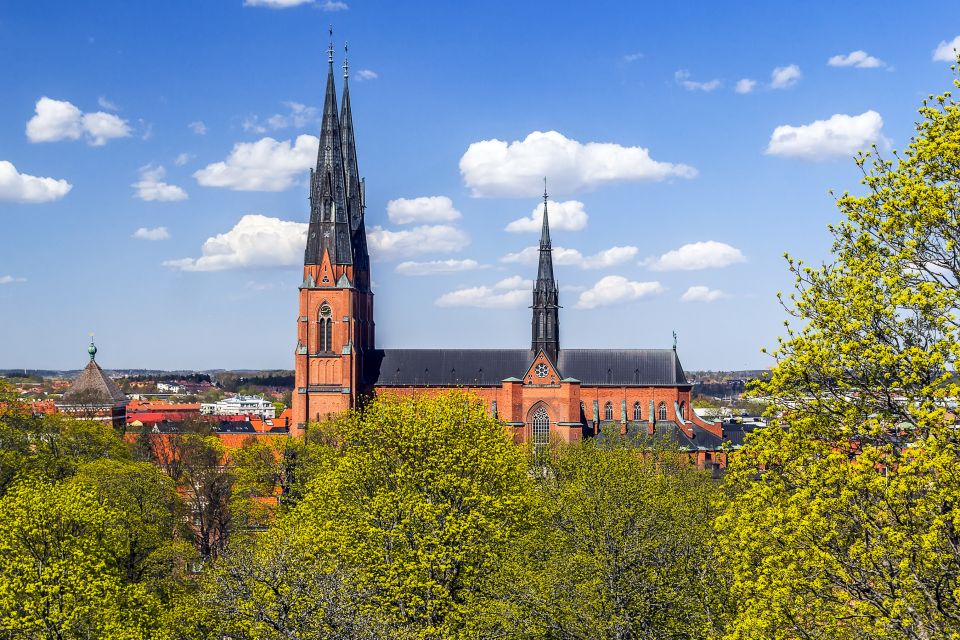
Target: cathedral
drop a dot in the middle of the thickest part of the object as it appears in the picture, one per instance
(541, 393)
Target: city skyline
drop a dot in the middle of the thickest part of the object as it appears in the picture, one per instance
(153, 188)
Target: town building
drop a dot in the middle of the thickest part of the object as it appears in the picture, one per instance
(541, 393)
(240, 405)
(95, 396)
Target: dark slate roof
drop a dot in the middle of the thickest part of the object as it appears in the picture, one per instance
(93, 385)
(479, 367)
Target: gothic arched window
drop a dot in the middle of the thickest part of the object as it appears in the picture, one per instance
(662, 411)
(636, 411)
(608, 411)
(325, 329)
(683, 411)
(541, 429)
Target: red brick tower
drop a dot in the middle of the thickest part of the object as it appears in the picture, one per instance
(335, 326)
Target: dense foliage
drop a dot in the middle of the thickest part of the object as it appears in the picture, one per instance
(850, 528)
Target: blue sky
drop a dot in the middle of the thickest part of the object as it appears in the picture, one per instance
(153, 164)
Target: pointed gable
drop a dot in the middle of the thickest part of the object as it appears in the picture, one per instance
(542, 371)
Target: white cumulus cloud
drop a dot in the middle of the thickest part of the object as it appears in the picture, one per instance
(386, 244)
(264, 165)
(683, 79)
(502, 295)
(859, 59)
(411, 268)
(838, 136)
(573, 258)
(947, 51)
(152, 188)
(494, 168)
(708, 254)
(785, 77)
(198, 127)
(367, 74)
(60, 120)
(255, 241)
(567, 215)
(20, 187)
(700, 293)
(745, 85)
(11, 279)
(183, 159)
(423, 209)
(514, 282)
(614, 290)
(159, 233)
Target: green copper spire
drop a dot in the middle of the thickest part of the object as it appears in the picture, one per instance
(92, 349)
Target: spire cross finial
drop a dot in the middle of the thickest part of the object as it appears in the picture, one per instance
(544, 188)
(330, 48)
(346, 62)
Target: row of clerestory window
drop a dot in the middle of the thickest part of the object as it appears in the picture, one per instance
(638, 413)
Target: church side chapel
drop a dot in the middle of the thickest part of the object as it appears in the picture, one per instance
(541, 393)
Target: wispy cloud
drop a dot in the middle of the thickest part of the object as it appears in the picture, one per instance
(859, 59)
(158, 233)
(152, 188)
(683, 79)
(785, 77)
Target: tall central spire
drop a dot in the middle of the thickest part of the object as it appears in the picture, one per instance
(329, 230)
(546, 316)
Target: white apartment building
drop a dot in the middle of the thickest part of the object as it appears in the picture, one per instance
(240, 406)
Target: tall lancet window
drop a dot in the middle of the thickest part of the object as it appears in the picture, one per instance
(662, 411)
(541, 430)
(325, 329)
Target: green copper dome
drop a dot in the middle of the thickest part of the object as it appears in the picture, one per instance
(92, 350)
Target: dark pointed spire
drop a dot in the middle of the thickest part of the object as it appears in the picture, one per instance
(354, 185)
(351, 168)
(546, 305)
(545, 230)
(329, 230)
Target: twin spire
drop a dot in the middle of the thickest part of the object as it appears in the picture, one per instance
(336, 190)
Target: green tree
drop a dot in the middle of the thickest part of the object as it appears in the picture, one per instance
(625, 549)
(58, 575)
(844, 515)
(149, 533)
(275, 586)
(421, 503)
(16, 423)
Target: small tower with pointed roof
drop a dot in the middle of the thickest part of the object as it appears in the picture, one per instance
(335, 326)
(546, 305)
(95, 396)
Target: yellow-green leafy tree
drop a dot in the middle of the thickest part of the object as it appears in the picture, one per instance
(59, 578)
(624, 549)
(421, 504)
(844, 515)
